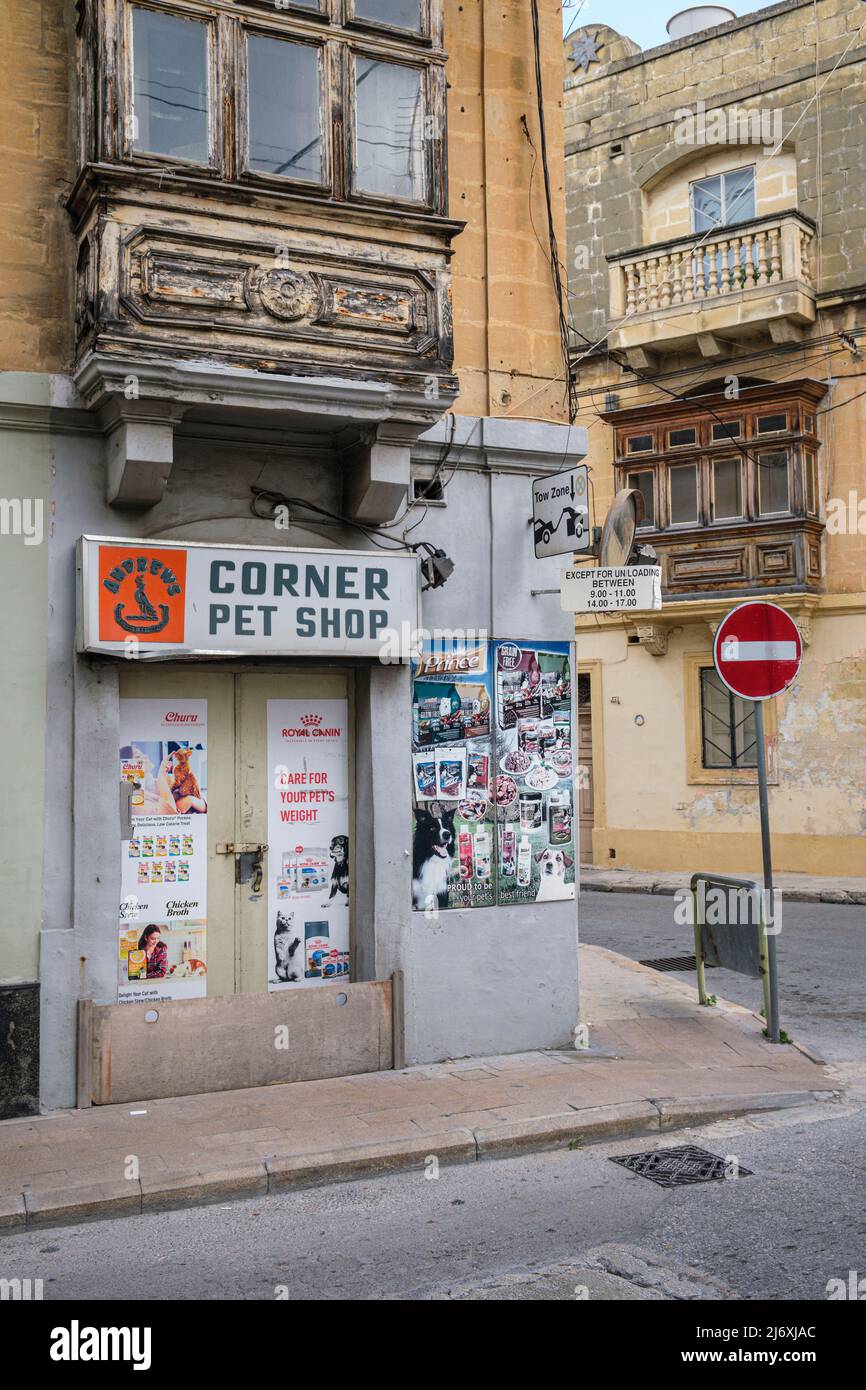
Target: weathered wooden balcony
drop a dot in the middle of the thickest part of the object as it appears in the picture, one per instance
(754, 279)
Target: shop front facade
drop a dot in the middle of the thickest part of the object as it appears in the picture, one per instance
(269, 381)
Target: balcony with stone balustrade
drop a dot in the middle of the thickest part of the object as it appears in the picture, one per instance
(753, 280)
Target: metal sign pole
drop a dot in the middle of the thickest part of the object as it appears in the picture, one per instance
(773, 994)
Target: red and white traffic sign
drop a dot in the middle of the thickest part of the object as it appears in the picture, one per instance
(758, 650)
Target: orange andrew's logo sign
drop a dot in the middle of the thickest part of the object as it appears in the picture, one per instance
(141, 594)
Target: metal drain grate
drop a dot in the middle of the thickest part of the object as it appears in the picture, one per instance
(671, 963)
(678, 1167)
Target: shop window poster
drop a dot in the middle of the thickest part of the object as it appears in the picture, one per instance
(535, 772)
(454, 822)
(308, 860)
(493, 774)
(162, 928)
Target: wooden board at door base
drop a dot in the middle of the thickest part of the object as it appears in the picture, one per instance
(195, 1046)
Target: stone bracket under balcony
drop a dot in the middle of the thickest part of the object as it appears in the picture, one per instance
(367, 427)
(752, 280)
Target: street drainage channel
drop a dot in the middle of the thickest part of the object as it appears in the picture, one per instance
(680, 1167)
(671, 963)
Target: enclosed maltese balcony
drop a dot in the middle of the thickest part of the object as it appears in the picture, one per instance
(751, 280)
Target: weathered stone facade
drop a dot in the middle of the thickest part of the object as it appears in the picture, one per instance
(665, 308)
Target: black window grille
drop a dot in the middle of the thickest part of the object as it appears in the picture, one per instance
(727, 725)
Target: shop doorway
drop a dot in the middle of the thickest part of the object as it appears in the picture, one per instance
(259, 767)
(586, 807)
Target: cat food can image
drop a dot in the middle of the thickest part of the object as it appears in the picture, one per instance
(137, 965)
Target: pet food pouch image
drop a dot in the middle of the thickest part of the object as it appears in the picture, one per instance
(147, 847)
(425, 777)
(183, 872)
(451, 773)
(134, 849)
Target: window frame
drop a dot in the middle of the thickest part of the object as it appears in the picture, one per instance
(670, 524)
(733, 765)
(243, 124)
(742, 514)
(341, 38)
(352, 193)
(652, 472)
(757, 454)
(696, 773)
(721, 176)
(422, 35)
(150, 159)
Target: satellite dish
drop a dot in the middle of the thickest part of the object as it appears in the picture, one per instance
(626, 513)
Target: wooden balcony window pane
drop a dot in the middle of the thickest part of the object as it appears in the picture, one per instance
(170, 86)
(810, 464)
(389, 115)
(643, 482)
(773, 489)
(677, 438)
(727, 489)
(404, 14)
(772, 424)
(639, 444)
(683, 479)
(285, 119)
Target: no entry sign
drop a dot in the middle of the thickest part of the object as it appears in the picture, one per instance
(758, 650)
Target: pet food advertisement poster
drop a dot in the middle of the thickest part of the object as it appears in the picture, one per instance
(162, 929)
(308, 843)
(493, 774)
(535, 772)
(454, 822)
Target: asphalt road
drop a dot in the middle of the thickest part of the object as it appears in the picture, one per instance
(821, 951)
(556, 1226)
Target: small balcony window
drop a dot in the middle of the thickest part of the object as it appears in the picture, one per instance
(683, 494)
(724, 200)
(727, 484)
(728, 429)
(639, 444)
(810, 482)
(772, 424)
(170, 111)
(389, 130)
(401, 14)
(285, 134)
(774, 491)
(644, 483)
(677, 439)
(728, 736)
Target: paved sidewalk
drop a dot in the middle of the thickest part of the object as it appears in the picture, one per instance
(796, 888)
(656, 1061)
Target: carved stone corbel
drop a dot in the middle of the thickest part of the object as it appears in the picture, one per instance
(652, 636)
(378, 471)
(139, 449)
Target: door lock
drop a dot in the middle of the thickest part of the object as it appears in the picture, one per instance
(249, 862)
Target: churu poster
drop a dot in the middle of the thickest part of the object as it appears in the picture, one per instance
(162, 918)
(308, 859)
(493, 774)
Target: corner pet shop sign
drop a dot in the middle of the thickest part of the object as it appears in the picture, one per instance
(172, 600)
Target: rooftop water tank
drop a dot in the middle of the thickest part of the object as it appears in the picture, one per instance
(696, 19)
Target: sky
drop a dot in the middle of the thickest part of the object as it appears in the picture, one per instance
(641, 20)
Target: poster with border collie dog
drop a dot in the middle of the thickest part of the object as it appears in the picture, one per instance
(493, 774)
(453, 827)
